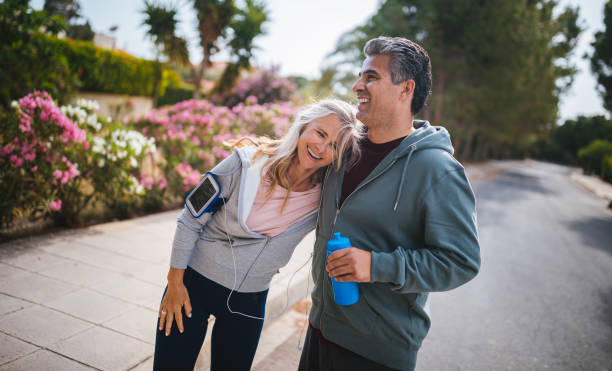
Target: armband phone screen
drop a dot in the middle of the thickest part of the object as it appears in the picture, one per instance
(202, 195)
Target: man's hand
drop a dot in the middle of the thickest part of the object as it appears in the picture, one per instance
(350, 264)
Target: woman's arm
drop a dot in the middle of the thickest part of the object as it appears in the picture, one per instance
(185, 238)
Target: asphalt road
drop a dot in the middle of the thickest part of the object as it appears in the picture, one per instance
(543, 297)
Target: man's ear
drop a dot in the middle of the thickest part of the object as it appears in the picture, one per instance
(407, 89)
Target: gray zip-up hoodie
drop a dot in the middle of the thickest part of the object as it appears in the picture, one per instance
(416, 214)
(204, 243)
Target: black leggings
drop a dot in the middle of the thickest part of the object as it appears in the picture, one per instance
(234, 337)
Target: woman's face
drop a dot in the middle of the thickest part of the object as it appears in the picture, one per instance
(317, 144)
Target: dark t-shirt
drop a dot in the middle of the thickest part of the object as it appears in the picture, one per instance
(371, 155)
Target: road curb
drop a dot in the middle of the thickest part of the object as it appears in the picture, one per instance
(592, 184)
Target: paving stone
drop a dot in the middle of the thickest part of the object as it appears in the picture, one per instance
(127, 243)
(153, 274)
(144, 366)
(34, 287)
(104, 349)
(43, 360)
(41, 326)
(7, 272)
(78, 273)
(139, 323)
(133, 291)
(9, 304)
(90, 305)
(94, 256)
(12, 348)
(35, 260)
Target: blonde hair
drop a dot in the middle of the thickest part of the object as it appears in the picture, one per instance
(283, 151)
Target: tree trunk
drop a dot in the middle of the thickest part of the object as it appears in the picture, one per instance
(440, 83)
(197, 78)
(466, 153)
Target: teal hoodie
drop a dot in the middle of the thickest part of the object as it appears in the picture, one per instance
(416, 214)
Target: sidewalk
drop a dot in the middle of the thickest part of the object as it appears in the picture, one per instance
(88, 299)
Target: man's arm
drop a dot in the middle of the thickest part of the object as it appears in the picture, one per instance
(450, 257)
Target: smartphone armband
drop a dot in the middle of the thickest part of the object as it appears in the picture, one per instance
(204, 197)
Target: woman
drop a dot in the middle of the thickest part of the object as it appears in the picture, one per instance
(222, 262)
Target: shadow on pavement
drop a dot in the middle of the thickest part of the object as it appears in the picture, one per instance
(515, 185)
(595, 232)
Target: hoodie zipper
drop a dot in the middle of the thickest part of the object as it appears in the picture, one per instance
(334, 226)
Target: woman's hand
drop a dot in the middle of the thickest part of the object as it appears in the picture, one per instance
(175, 298)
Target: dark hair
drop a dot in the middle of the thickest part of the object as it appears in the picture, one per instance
(407, 60)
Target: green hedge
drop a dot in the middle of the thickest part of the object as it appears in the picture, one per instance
(595, 158)
(63, 66)
(175, 94)
(107, 71)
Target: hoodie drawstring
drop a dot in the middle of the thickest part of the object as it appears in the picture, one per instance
(401, 184)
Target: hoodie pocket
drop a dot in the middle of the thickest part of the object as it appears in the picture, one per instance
(359, 316)
(400, 321)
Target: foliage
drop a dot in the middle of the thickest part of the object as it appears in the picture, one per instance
(499, 66)
(265, 85)
(175, 94)
(27, 60)
(70, 11)
(106, 71)
(55, 161)
(573, 135)
(606, 168)
(190, 135)
(601, 60)
(31, 59)
(594, 158)
(161, 22)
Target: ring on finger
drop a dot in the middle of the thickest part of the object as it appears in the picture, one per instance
(163, 312)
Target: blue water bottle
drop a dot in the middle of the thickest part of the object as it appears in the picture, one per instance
(345, 293)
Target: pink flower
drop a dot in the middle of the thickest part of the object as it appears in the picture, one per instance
(163, 183)
(146, 181)
(55, 205)
(6, 150)
(34, 168)
(251, 99)
(57, 174)
(30, 156)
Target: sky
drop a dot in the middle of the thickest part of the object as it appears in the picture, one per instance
(300, 33)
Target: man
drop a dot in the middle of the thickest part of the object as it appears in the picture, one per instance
(409, 211)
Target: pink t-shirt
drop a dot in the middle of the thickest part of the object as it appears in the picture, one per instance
(265, 216)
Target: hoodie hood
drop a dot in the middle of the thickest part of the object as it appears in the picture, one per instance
(425, 137)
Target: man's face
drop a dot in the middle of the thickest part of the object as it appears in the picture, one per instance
(378, 97)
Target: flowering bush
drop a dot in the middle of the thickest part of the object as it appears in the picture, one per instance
(265, 85)
(55, 160)
(189, 136)
(36, 144)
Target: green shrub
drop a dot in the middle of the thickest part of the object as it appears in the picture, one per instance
(32, 60)
(106, 71)
(592, 156)
(56, 161)
(27, 61)
(175, 94)
(606, 169)
(566, 140)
